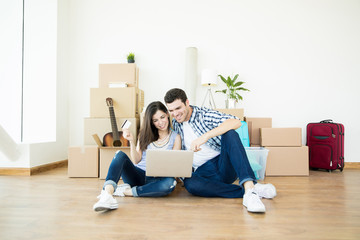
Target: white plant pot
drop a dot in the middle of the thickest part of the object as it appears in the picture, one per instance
(230, 103)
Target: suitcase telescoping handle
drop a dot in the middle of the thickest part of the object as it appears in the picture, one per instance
(326, 121)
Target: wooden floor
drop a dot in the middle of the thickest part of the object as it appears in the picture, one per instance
(52, 206)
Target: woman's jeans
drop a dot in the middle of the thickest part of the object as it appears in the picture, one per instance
(142, 186)
(215, 177)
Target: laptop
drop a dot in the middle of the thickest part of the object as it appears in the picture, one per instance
(169, 163)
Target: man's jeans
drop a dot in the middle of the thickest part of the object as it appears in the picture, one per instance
(215, 177)
(142, 186)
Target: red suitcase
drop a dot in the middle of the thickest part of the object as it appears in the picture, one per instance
(326, 145)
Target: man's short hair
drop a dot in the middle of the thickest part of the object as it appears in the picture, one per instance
(174, 94)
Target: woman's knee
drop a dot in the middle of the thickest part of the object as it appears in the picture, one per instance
(167, 185)
(120, 157)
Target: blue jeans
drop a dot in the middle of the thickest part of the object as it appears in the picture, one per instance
(142, 186)
(215, 177)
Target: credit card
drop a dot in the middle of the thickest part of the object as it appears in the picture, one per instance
(126, 124)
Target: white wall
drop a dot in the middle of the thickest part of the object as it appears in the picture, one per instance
(300, 59)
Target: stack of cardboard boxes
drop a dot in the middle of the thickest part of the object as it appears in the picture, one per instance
(119, 82)
(287, 156)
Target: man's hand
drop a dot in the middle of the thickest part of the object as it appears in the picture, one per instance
(221, 129)
(195, 145)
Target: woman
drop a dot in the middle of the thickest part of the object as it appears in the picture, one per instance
(155, 133)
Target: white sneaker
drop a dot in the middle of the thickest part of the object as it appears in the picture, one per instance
(252, 202)
(102, 193)
(265, 190)
(106, 202)
(121, 189)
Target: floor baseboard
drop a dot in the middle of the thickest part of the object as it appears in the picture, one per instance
(33, 170)
(352, 165)
(15, 171)
(49, 166)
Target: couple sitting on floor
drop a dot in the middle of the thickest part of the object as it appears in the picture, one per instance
(219, 156)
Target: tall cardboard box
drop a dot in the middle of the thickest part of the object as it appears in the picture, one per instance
(83, 161)
(280, 137)
(237, 112)
(118, 73)
(254, 125)
(106, 156)
(142, 115)
(101, 126)
(141, 101)
(287, 161)
(127, 102)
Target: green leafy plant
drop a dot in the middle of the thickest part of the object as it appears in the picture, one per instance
(233, 87)
(131, 57)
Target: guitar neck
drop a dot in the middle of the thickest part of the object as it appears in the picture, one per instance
(113, 124)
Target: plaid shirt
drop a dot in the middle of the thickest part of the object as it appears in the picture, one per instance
(201, 121)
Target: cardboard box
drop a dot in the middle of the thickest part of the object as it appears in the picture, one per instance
(141, 100)
(142, 115)
(118, 73)
(107, 154)
(287, 161)
(237, 112)
(83, 161)
(280, 137)
(101, 126)
(127, 102)
(254, 125)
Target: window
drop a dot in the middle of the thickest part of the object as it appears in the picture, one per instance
(28, 70)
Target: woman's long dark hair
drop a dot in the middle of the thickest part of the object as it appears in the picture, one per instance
(148, 132)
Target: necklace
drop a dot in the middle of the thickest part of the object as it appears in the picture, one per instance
(163, 142)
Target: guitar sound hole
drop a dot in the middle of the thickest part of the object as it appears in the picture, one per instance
(117, 143)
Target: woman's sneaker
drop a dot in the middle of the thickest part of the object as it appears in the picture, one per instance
(106, 202)
(265, 190)
(252, 202)
(121, 189)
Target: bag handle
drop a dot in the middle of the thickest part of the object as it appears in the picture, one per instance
(326, 121)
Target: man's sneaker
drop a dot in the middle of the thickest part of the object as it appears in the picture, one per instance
(106, 202)
(121, 189)
(252, 202)
(265, 190)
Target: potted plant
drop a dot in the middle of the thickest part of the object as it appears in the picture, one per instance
(232, 90)
(131, 57)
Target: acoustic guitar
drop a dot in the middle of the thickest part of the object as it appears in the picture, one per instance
(114, 138)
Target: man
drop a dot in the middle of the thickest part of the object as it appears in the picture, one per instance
(219, 156)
